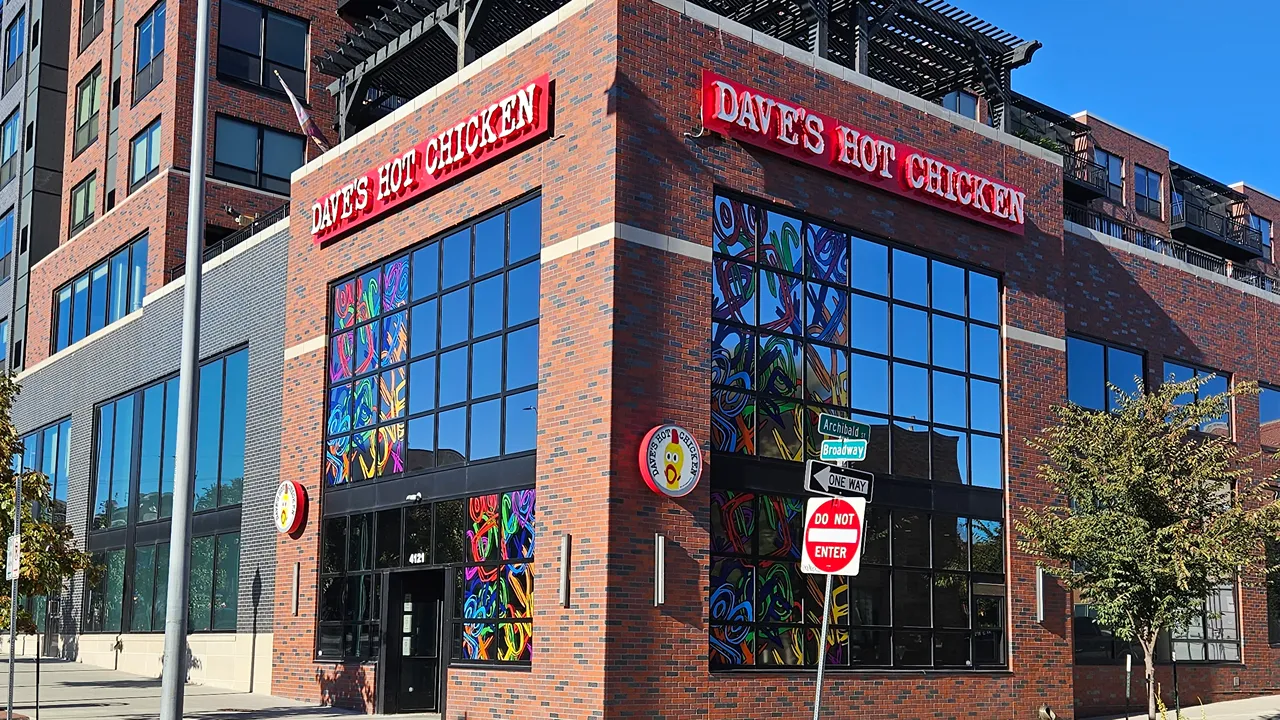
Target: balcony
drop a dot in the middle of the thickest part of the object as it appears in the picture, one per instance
(1082, 178)
(1210, 215)
(1081, 215)
(1194, 222)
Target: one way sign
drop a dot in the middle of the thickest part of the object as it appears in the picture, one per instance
(826, 479)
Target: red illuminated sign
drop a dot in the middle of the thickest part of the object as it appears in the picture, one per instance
(513, 122)
(749, 116)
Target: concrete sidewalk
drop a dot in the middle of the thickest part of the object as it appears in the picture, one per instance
(74, 691)
(1261, 708)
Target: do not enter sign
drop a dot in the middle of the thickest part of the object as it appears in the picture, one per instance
(833, 536)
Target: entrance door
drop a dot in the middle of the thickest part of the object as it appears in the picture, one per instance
(411, 666)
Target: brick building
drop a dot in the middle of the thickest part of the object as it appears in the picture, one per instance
(623, 214)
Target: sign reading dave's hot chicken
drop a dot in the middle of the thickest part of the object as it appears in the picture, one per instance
(750, 116)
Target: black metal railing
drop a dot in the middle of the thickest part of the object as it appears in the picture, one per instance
(262, 222)
(1084, 170)
(1081, 215)
(1188, 213)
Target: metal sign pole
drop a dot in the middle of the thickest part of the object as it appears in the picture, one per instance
(1128, 684)
(13, 590)
(822, 649)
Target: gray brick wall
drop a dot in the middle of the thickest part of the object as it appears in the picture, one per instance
(243, 303)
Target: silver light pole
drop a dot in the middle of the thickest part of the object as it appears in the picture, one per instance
(175, 619)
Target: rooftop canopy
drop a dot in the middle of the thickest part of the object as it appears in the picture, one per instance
(398, 49)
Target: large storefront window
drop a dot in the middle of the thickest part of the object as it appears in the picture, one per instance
(930, 592)
(807, 319)
(791, 328)
(484, 543)
(433, 354)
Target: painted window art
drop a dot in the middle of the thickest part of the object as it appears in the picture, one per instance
(495, 612)
(808, 318)
(433, 353)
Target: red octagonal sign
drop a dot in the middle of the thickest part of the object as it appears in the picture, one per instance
(833, 536)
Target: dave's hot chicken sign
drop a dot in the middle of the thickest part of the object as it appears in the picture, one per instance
(750, 116)
(513, 121)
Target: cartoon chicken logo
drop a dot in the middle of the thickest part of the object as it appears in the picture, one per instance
(670, 460)
(674, 455)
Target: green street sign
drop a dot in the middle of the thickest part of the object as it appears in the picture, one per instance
(836, 426)
(843, 450)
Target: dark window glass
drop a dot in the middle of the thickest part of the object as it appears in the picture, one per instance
(1091, 366)
(1115, 173)
(962, 102)
(255, 44)
(199, 607)
(387, 549)
(47, 450)
(88, 101)
(1146, 188)
(83, 195)
(104, 606)
(149, 53)
(1263, 226)
(250, 154)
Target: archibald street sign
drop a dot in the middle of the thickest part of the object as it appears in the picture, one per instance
(825, 479)
(836, 426)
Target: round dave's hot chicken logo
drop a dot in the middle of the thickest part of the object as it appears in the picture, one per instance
(670, 460)
(290, 506)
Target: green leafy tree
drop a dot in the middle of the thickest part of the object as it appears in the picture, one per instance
(49, 554)
(1159, 512)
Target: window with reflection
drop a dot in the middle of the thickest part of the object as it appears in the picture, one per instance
(1269, 418)
(433, 354)
(905, 343)
(136, 439)
(1115, 173)
(47, 451)
(930, 592)
(1094, 368)
(105, 293)
(808, 318)
(1214, 635)
(1216, 384)
(486, 539)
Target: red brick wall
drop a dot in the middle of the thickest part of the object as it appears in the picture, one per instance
(1134, 150)
(574, 171)
(666, 184)
(1267, 206)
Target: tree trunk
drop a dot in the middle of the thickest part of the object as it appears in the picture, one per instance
(1149, 660)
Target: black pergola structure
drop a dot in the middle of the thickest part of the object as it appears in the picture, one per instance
(1084, 179)
(398, 49)
(1210, 214)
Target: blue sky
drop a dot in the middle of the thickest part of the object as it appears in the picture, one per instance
(1201, 78)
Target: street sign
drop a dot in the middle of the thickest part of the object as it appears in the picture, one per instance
(12, 558)
(825, 479)
(836, 426)
(832, 536)
(843, 450)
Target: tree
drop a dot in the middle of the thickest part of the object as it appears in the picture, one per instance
(1158, 514)
(49, 554)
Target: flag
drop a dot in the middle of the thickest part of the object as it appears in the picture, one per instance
(309, 127)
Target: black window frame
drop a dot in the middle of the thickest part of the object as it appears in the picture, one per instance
(9, 163)
(92, 13)
(225, 172)
(1266, 390)
(266, 79)
(13, 67)
(86, 133)
(84, 193)
(133, 294)
(35, 449)
(146, 76)
(1264, 227)
(1145, 202)
(1199, 370)
(150, 135)
(1115, 193)
(1208, 626)
(8, 219)
(1109, 397)
(137, 397)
